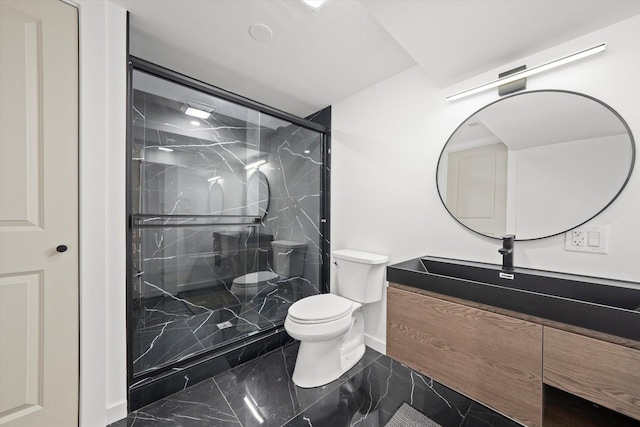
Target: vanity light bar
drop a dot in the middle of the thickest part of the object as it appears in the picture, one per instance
(530, 72)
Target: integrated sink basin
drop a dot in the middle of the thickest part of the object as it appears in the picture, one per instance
(602, 305)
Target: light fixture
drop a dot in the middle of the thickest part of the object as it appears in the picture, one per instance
(307, 152)
(197, 109)
(214, 178)
(255, 164)
(165, 149)
(530, 72)
(195, 112)
(195, 122)
(314, 4)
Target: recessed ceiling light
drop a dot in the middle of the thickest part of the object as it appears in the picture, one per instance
(314, 4)
(194, 112)
(307, 151)
(195, 122)
(197, 109)
(260, 32)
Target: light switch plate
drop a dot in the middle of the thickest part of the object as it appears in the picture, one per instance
(589, 238)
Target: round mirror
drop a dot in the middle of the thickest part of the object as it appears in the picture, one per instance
(257, 194)
(216, 199)
(535, 164)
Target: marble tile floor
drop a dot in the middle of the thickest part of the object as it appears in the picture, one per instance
(168, 330)
(261, 393)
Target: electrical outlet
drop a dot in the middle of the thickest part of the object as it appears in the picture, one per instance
(577, 238)
(592, 238)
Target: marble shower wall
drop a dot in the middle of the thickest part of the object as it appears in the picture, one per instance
(294, 171)
(195, 227)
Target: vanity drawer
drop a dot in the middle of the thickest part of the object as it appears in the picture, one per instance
(604, 373)
(494, 359)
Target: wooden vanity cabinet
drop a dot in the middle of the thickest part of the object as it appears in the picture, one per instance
(601, 372)
(502, 361)
(492, 358)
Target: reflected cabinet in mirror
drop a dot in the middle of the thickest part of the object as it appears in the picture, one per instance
(535, 164)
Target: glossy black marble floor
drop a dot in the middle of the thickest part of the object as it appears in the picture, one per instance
(168, 329)
(261, 393)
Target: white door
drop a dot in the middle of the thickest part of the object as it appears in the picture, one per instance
(477, 188)
(39, 363)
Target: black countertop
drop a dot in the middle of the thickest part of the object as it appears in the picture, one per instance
(601, 305)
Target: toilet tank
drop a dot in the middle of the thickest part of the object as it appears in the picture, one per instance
(288, 257)
(360, 275)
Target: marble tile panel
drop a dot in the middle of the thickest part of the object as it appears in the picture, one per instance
(200, 405)
(481, 416)
(372, 395)
(158, 386)
(273, 303)
(181, 335)
(149, 312)
(216, 327)
(262, 393)
(164, 343)
(438, 402)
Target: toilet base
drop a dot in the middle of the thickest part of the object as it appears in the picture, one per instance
(321, 362)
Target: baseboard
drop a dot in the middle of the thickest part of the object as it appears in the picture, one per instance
(116, 412)
(375, 343)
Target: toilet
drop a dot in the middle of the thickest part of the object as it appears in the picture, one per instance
(330, 327)
(288, 261)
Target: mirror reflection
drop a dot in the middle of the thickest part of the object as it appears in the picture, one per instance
(535, 164)
(257, 194)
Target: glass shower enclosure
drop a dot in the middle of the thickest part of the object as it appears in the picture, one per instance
(226, 220)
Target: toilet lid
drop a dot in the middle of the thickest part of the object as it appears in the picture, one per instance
(253, 278)
(320, 308)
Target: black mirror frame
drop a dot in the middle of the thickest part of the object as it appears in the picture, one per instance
(624, 184)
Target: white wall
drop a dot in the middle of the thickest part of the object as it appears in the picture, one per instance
(385, 146)
(103, 390)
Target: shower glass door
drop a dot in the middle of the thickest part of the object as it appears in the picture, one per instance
(213, 184)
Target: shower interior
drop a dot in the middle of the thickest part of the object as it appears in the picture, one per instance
(203, 214)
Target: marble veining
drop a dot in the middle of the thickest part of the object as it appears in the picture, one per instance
(261, 393)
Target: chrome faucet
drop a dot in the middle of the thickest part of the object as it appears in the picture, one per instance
(507, 252)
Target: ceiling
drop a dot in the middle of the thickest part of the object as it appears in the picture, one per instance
(317, 58)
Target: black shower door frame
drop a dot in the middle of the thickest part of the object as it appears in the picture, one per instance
(138, 64)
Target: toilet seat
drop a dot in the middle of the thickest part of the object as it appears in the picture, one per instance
(251, 284)
(255, 278)
(323, 308)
